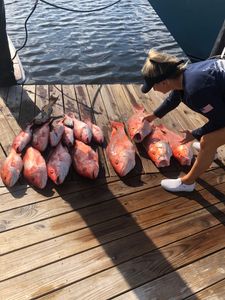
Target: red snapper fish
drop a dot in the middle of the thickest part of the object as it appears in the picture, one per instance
(35, 170)
(97, 134)
(56, 133)
(120, 150)
(22, 139)
(183, 153)
(138, 129)
(68, 120)
(68, 136)
(85, 160)
(11, 168)
(158, 148)
(59, 164)
(82, 131)
(41, 137)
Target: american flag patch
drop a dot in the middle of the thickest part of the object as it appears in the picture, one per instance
(207, 108)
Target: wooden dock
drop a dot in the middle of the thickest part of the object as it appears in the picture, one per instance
(110, 238)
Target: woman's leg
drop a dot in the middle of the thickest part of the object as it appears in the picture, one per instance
(209, 144)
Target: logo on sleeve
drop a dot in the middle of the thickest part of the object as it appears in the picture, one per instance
(207, 108)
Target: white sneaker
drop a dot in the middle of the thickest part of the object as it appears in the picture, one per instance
(196, 146)
(176, 185)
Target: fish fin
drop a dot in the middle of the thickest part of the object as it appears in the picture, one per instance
(116, 124)
(138, 107)
(52, 100)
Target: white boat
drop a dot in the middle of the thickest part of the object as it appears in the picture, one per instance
(17, 65)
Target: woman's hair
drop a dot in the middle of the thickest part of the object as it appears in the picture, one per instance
(159, 63)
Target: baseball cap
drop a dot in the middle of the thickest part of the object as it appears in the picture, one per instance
(150, 81)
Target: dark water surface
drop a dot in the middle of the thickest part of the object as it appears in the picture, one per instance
(108, 46)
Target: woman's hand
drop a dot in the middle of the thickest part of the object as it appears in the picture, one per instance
(149, 117)
(188, 137)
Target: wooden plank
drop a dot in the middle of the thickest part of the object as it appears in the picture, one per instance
(42, 96)
(69, 99)
(110, 104)
(27, 109)
(25, 196)
(7, 113)
(2, 158)
(30, 196)
(14, 100)
(138, 199)
(214, 292)
(30, 258)
(71, 221)
(119, 276)
(6, 134)
(58, 107)
(87, 114)
(195, 277)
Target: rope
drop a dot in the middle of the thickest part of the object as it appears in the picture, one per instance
(25, 25)
(80, 11)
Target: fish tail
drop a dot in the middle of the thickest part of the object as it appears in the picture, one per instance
(138, 107)
(53, 99)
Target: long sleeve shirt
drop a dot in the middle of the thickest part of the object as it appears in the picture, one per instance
(203, 92)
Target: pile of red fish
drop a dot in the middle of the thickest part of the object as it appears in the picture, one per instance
(69, 141)
(159, 142)
(66, 141)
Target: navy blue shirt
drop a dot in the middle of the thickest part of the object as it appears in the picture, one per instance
(203, 92)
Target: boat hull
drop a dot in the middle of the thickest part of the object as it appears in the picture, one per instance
(195, 25)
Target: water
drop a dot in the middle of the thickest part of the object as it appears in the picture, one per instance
(108, 46)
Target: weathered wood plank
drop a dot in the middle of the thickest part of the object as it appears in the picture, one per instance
(214, 292)
(195, 277)
(27, 109)
(30, 258)
(97, 282)
(22, 196)
(6, 111)
(14, 100)
(69, 99)
(6, 134)
(42, 96)
(58, 107)
(28, 196)
(71, 221)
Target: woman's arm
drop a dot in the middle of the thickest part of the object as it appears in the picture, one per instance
(170, 103)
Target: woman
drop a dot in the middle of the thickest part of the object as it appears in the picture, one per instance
(201, 86)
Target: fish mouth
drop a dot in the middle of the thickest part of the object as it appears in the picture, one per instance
(185, 161)
(163, 163)
(138, 137)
